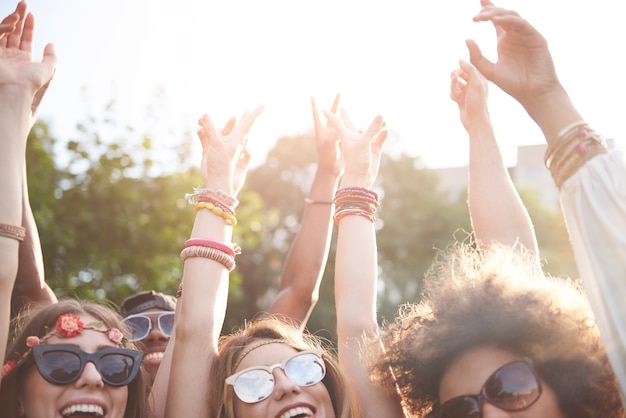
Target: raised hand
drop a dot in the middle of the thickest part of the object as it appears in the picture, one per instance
(224, 155)
(327, 141)
(17, 68)
(469, 89)
(361, 150)
(524, 68)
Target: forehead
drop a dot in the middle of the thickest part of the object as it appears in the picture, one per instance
(88, 340)
(267, 355)
(154, 312)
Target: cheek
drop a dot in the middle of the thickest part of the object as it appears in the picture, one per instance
(119, 399)
(36, 395)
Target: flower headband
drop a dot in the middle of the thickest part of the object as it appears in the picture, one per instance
(67, 326)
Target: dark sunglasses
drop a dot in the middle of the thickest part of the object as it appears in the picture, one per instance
(140, 325)
(513, 387)
(254, 384)
(61, 364)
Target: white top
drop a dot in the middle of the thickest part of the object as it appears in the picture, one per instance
(594, 205)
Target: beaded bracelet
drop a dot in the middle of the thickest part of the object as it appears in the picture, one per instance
(231, 250)
(214, 254)
(355, 201)
(230, 219)
(219, 195)
(12, 231)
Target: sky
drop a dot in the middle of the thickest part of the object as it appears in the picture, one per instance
(389, 57)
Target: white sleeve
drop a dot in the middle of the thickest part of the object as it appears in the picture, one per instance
(593, 201)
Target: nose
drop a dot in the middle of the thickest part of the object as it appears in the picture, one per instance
(90, 377)
(155, 335)
(283, 386)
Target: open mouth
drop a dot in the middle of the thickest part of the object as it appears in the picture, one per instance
(156, 356)
(298, 412)
(82, 410)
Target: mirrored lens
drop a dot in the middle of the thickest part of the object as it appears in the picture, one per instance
(461, 407)
(166, 323)
(116, 369)
(60, 367)
(139, 327)
(305, 370)
(513, 387)
(254, 385)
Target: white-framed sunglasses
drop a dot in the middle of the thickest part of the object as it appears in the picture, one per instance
(140, 325)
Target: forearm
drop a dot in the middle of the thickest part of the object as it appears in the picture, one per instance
(496, 210)
(199, 319)
(306, 261)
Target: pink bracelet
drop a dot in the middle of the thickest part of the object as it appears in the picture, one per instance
(221, 257)
(206, 242)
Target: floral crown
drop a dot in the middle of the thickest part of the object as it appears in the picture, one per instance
(67, 326)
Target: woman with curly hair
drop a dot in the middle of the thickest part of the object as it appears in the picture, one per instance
(492, 333)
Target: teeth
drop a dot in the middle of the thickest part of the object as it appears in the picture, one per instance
(84, 408)
(300, 411)
(154, 356)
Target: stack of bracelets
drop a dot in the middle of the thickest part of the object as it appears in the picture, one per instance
(218, 202)
(11, 231)
(575, 145)
(355, 201)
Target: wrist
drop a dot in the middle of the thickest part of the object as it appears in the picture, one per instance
(351, 180)
(552, 111)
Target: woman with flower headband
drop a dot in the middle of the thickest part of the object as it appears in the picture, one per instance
(66, 358)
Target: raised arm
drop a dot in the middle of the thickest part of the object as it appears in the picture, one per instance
(20, 79)
(208, 258)
(591, 178)
(304, 267)
(356, 265)
(496, 210)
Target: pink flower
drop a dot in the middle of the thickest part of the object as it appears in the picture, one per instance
(115, 335)
(32, 341)
(69, 325)
(7, 367)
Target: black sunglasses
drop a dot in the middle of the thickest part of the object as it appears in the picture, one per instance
(513, 387)
(140, 325)
(61, 364)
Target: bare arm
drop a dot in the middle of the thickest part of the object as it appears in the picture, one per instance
(356, 266)
(202, 306)
(304, 267)
(496, 210)
(20, 78)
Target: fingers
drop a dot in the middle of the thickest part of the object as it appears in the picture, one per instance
(246, 122)
(28, 33)
(380, 139)
(14, 38)
(244, 157)
(208, 131)
(6, 27)
(346, 120)
(335, 103)
(334, 120)
(375, 127)
(316, 117)
(229, 126)
(478, 60)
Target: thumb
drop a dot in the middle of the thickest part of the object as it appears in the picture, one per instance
(478, 60)
(374, 129)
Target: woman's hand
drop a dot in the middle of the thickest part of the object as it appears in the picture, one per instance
(225, 157)
(361, 150)
(469, 89)
(327, 141)
(524, 68)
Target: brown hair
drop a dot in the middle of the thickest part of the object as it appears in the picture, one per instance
(232, 347)
(498, 297)
(37, 321)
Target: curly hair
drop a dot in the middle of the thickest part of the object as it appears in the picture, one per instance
(233, 347)
(38, 321)
(497, 297)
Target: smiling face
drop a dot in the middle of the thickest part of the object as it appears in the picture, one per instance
(468, 372)
(89, 394)
(287, 400)
(154, 344)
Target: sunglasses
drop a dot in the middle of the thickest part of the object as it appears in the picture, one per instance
(140, 325)
(61, 364)
(254, 384)
(513, 387)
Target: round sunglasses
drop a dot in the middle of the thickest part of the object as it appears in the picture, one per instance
(61, 364)
(513, 387)
(254, 384)
(140, 325)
